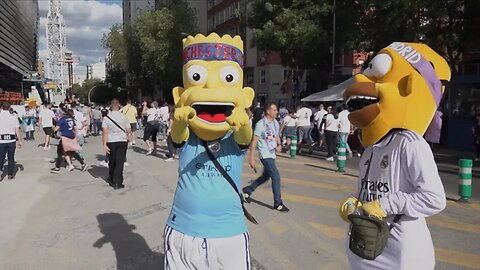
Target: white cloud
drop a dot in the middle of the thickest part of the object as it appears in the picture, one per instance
(85, 24)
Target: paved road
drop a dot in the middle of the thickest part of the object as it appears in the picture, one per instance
(75, 221)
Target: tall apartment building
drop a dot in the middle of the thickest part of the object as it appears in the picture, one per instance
(18, 41)
(133, 8)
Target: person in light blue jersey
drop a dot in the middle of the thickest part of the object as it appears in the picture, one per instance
(266, 139)
(206, 228)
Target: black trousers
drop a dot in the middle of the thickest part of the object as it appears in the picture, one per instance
(8, 150)
(60, 153)
(116, 159)
(331, 139)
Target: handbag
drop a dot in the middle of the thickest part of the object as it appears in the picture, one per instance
(70, 145)
(229, 180)
(368, 234)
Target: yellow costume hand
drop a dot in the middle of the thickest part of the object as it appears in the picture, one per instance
(184, 114)
(344, 207)
(238, 119)
(374, 209)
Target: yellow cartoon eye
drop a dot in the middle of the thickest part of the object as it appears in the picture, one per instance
(197, 75)
(380, 65)
(229, 75)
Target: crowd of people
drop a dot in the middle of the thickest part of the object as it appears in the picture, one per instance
(73, 122)
(315, 127)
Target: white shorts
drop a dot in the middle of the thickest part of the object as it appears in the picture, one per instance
(184, 252)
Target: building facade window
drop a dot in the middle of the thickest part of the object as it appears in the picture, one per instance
(263, 76)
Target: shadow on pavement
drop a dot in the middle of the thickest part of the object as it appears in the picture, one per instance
(320, 167)
(131, 250)
(100, 157)
(261, 203)
(98, 172)
(161, 151)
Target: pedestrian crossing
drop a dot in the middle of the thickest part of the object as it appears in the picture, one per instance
(343, 186)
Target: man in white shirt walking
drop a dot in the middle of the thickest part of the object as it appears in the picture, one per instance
(344, 128)
(10, 138)
(164, 120)
(303, 115)
(80, 123)
(116, 133)
(331, 130)
(46, 117)
(318, 117)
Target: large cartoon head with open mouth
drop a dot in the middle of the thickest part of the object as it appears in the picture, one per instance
(213, 83)
(401, 88)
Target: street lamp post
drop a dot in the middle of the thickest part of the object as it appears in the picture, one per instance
(91, 89)
(333, 43)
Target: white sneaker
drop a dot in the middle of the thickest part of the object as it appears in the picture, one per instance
(169, 159)
(71, 168)
(45, 148)
(133, 142)
(329, 159)
(149, 152)
(103, 163)
(84, 167)
(126, 164)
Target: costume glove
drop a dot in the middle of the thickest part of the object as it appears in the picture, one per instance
(374, 209)
(344, 207)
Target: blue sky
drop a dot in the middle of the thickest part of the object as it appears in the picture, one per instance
(85, 24)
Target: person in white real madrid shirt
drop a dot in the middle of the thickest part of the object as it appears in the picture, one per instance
(10, 139)
(395, 102)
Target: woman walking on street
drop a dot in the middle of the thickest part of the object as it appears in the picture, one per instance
(116, 133)
(68, 144)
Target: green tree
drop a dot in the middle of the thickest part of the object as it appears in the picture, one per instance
(150, 49)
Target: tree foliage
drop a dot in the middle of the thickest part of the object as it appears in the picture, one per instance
(302, 30)
(150, 49)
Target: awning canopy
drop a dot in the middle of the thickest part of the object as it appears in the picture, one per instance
(334, 93)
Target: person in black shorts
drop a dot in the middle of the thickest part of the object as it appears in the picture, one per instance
(152, 127)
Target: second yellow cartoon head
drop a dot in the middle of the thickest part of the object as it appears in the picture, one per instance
(401, 88)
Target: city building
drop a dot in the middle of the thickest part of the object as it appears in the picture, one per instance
(79, 79)
(96, 71)
(19, 37)
(40, 69)
(263, 71)
(89, 72)
(133, 8)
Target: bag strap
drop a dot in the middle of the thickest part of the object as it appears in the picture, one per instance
(116, 124)
(229, 180)
(367, 173)
(127, 110)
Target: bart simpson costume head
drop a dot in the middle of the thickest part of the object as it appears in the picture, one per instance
(401, 88)
(213, 100)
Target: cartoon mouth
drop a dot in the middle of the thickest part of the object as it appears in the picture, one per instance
(357, 102)
(213, 112)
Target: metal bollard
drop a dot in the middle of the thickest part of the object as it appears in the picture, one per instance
(293, 146)
(341, 156)
(465, 179)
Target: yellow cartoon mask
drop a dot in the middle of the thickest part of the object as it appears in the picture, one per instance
(401, 88)
(213, 100)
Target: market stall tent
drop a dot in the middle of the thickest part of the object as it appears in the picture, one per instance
(334, 93)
